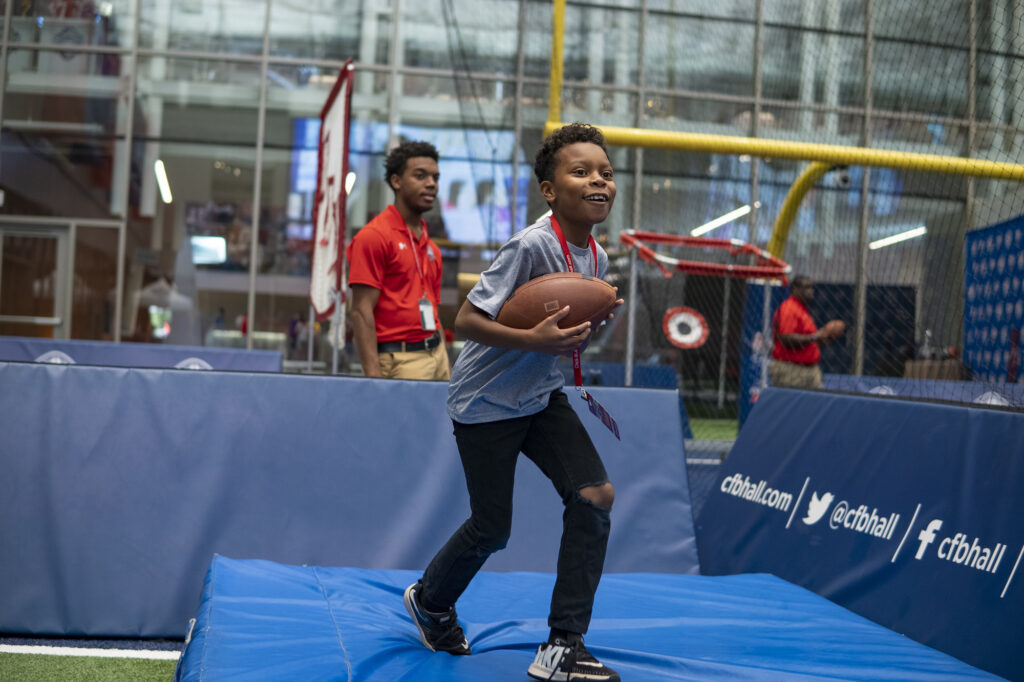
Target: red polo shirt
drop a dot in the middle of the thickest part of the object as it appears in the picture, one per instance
(381, 255)
(792, 318)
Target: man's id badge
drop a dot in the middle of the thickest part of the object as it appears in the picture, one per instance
(598, 410)
(427, 315)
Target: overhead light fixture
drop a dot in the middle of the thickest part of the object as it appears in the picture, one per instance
(721, 220)
(161, 181)
(350, 182)
(897, 238)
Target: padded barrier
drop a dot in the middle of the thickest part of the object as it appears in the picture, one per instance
(265, 621)
(117, 486)
(929, 389)
(54, 351)
(614, 374)
(907, 513)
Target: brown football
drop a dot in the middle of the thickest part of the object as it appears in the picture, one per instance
(588, 298)
(834, 328)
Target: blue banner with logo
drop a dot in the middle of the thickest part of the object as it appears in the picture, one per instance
(117, 487)
(907, 513)
(994, 306)
(76, 352)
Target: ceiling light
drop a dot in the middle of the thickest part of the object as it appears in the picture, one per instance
(896, 238)
(161, 181)
(721, 220)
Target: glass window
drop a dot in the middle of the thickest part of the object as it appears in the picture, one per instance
(928, 135)
(811, 66)
(919, 78)
(285, 247)
(467, 35)
(727, 9)
(602, 45)
(697, 115)
(296, 95)
(476, 181)
(999, 87)
(600, 107)
(33, 267)
(60, 130)
(821, 125)
(1009, 200)
(444, 98)
(995, 26)
(297, 92)
(196, 235)
(849, 15)
(998, 143)
(332, 29)
(92, 303)
(537, 41)
(232, 26)
(942, 22)
(72, 23)
(197, 100)
(699, 53)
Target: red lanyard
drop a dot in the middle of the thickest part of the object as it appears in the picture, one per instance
(416, 259)
(577, 365)
(565, 246)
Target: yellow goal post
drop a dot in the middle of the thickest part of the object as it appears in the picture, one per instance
(822, 156)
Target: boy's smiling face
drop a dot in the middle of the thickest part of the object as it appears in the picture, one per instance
(583, 189)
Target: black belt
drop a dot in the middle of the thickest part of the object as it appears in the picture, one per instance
(429, 343)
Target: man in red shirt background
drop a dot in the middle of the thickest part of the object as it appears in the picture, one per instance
(395, 275)
(796, 353)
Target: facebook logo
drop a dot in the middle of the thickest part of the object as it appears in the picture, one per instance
(927, 537)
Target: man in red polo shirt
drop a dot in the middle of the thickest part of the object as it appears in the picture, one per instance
(795, 356)
(395, 276)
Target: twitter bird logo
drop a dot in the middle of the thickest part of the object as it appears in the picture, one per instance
(817, 507)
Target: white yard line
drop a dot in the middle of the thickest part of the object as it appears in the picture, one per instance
(88, 651)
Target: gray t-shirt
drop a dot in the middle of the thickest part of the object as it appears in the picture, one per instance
(489, 383)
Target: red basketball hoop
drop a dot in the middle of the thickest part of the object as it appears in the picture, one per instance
(766, 266)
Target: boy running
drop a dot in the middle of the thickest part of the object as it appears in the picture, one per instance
(506, 397)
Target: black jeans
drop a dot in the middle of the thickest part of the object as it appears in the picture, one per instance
(555, 440)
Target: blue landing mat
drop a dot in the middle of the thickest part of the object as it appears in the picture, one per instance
(260, 620)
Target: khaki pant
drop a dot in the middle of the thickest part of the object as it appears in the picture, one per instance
(420, 364)
(792, 375)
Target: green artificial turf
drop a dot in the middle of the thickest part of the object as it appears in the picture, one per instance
(714, 429)
(43, 668)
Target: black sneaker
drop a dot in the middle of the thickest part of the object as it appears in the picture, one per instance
(439, 632)
(569, 661)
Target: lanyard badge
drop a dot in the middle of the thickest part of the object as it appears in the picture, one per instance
(596, 408)
(426, 308)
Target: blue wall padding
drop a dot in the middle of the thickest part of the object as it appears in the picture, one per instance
(260, 620)
(614, 374)
(927, 389)
(907, 513)
(117, 486)
(22, 349)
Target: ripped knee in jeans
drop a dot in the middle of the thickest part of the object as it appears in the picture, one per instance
(601, 495)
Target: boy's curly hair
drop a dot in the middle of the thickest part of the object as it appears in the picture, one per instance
(395, 162)
(544, 165)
